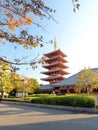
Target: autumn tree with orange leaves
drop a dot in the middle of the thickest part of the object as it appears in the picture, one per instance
(19, 13)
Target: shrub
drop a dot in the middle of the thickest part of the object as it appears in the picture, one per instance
(76, 101)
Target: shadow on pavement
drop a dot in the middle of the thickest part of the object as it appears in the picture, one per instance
(16, 109)
(72, 124)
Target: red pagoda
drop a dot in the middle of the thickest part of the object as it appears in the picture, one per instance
(55, 65)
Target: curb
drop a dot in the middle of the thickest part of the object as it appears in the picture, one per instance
(69, 108)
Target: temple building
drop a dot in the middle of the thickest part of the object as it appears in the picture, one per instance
(67, 85)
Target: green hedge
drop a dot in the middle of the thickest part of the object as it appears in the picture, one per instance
(76, 101)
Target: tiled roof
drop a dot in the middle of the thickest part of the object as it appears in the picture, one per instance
(56, 51)
(68, 81)
(72, 79)
(46, 87)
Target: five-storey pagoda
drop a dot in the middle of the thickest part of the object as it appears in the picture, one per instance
(55, 65)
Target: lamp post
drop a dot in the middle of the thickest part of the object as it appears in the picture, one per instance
(23, 92)
(24, 87)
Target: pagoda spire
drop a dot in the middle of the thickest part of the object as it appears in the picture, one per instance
(55, 43)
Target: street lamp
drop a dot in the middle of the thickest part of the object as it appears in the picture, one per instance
(23, 92)
(24, 87)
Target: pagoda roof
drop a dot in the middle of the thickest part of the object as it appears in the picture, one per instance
(58, 70)
(58, 64)
(52, 78)
(55, 52)
(60, 58)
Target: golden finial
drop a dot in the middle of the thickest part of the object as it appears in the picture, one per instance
(55, 43)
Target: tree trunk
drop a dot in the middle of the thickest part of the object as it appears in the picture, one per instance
(2, 95)
(88, 90)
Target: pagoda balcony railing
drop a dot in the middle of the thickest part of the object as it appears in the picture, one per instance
(58, 57)
(54, 64)
(54, 77)
(54, 70)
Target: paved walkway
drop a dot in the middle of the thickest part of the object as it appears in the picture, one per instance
(21, 117)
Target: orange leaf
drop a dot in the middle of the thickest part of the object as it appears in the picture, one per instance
(35, 44)
(27, 20)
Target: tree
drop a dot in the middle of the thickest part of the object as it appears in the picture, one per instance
(31, 85)
(27, 85)
(87, 81)
(17, 13)
(11, 82)
(16, 82)
(19, 84)
(5, 78)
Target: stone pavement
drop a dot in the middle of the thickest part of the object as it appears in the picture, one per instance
(25, 117)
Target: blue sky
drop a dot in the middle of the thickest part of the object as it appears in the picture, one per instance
(76, 35)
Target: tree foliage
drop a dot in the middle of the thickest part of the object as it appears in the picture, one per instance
(5, 79)
(27, 85)
(33, 85)
(17, 13)
(15, 79)
(10, 80)
(76, 5)
(87, 81)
